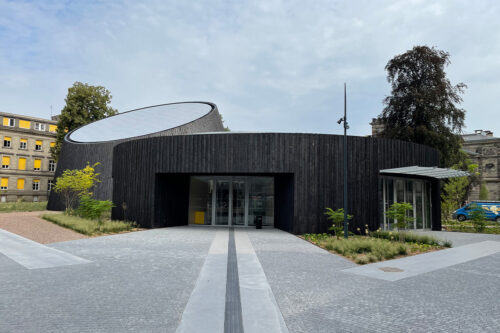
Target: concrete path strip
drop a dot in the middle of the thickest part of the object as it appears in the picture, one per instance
(33, 255)
(397, 269)
(260, 310)
(205, 309)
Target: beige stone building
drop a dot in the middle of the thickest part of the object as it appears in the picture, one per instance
(484, 149)
(27, 169)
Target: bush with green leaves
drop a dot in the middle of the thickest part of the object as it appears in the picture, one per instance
(337, 217)
(399, 211)
(74, 184)
(93, 209)
(477, 217)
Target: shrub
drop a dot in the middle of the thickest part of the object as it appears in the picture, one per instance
(399, 212)
(477, 217)
(93, 209)
(337, 217)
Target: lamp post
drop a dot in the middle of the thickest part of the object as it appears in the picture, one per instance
(346, 127)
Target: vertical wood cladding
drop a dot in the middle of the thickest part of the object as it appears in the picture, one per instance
(75, 155)
(308, 171)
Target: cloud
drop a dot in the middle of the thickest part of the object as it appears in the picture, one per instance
(268, 65)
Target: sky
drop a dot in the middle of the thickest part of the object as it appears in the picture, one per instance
(269, 65)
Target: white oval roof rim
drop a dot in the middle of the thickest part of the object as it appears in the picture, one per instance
(140, 122)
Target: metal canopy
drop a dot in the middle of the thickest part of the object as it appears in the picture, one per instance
(430, 172)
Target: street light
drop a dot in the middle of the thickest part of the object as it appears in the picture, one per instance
(346, 127)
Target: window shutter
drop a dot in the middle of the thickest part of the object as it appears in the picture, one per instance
(24, 124)
(6, 160)
(5, 181)
(38, 164)
(22, 163)
(20, 183)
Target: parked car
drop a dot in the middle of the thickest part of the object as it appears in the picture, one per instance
(491, 210)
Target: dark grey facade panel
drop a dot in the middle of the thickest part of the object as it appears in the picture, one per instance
(307, 169)
(76, 155)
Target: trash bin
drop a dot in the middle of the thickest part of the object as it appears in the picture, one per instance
(258, 222)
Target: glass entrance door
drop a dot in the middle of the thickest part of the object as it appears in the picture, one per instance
(222, 202)
(236, 200)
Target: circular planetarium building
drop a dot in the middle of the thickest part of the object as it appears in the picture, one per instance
(174, 164)
(94, 143)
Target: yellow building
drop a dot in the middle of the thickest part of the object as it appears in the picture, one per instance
(27, 169)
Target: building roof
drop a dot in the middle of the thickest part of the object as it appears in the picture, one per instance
(141, 122)
(22, 116)
(479, 135)
(430, 172)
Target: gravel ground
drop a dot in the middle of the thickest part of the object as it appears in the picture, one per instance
(31, 226)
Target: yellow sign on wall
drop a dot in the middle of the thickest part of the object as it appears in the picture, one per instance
(199, 217)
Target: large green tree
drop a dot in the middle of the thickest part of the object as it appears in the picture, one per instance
(84, 104)
(423, 105)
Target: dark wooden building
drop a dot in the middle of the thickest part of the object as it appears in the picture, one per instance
(173, 164)
(196, 179)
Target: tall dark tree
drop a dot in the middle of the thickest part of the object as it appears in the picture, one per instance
(423, 105)
(84, 104)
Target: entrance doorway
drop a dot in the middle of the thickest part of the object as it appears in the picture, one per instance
(231, 200)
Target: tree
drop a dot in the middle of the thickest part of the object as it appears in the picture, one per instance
(399, 211)
(456, 190)
(422, 107)
(84, 104)
(75, 184)
(337, 217)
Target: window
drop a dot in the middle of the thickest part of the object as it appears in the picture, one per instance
(38, 145)
(6, 141)
(52, 165)
(4, 185)
(24, 124)
(39, 127)
(5, 162)
(23, 143)
(21, 165)
(52, 128)
(9, 122)
(35, 198)
(4, 198)
(50, 185)
(36, 185)
(20, 183)
(37, 165)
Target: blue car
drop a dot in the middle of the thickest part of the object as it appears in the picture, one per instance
(491, 209)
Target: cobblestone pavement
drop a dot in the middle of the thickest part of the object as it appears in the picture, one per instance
(315, 296)
(141, 282)
(31, 226)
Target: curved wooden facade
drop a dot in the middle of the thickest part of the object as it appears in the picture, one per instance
(76, 155)
(151, 175)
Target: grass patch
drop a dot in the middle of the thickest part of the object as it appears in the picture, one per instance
(410, 238)
(491, 227)
(89, 227)
(21, 206)
(363, 250)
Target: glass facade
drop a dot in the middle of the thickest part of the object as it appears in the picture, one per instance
(414, 191)
(238, 200)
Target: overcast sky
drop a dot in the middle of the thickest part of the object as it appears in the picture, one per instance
(268, 65)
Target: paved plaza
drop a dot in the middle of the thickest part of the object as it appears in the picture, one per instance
(165, 280)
